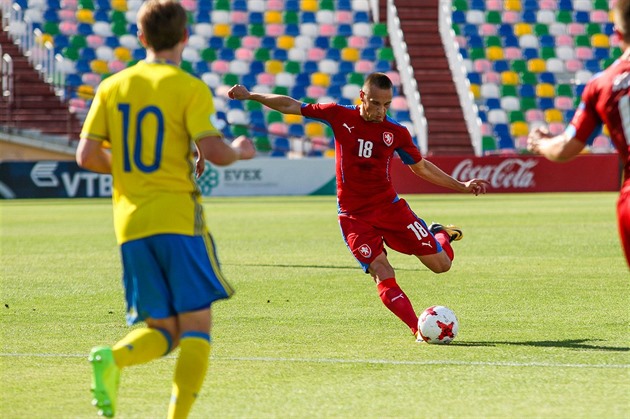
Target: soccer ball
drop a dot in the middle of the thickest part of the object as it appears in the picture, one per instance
(438, 324)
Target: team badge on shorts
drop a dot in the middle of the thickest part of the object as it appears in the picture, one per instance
(365, 251)
(388, 138)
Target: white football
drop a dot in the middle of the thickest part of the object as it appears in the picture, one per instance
(438, 324)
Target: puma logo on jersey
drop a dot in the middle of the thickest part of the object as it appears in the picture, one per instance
(427, 244)
(347, 127)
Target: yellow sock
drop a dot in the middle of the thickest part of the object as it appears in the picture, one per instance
(190, 371)
(140, 346)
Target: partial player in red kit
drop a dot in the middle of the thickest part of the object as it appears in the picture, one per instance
(371, 214)
(605, 100)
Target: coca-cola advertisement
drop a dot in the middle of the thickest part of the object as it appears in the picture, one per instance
(519, 173)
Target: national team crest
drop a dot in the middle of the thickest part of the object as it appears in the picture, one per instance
(388, 138)
(365, 251)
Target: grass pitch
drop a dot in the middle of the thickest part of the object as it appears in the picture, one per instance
(539, 285)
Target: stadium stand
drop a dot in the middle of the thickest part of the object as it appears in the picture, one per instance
(528, 61)
(312, 50)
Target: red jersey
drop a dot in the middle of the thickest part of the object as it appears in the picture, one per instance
(606, 100)
(363, 154)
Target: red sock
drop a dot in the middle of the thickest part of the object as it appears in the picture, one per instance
(397, 302)
(445, 242)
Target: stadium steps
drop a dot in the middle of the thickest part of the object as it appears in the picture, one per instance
(35, 105)
(448, 134)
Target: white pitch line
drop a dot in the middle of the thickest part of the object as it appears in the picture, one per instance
(361, 361)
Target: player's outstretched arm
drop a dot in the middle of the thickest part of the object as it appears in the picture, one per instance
(560, 148)
(217, 151)
(280, 103)
(430, 172)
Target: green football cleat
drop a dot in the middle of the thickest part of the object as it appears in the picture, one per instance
(105, 380)
(454, 233)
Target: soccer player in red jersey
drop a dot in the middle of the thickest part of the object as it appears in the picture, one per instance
(605, 100)
(370, 212)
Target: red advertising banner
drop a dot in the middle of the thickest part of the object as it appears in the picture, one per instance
(585, 173)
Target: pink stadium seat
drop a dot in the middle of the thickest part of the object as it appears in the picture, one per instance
(394, 76)
(116, 66)
(601, 144)
(494, 5)
(564, 41)
(491, 77)
(251, 42)
(482, 66)
(315, 91)
(239, 17)
(359, 42)
(486, 129)
(275, 5)
(573, 65)
(513, 53)
(70, 4)
(487, 29)
(364, 67)
(244, 54)
(327, 29)
(599, 16)
(556, 128)
(274, 29)
(583, 53)
(189, 5)
(575, 28)
(344, 17)
(548, 5)
(533, 115)
(265, 79)
(316, 54)
(520, 142)
(511, 16)
(92, 79)
(563, 103)
(399, 103)
(220, 66)
(68, 28)
(278, 128)
(94, 41)
(77, 103)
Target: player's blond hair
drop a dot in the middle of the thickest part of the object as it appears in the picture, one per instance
(162, 23)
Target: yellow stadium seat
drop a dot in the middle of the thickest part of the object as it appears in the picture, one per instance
(475, 89)
(350, 54)
(330, 153)
(514, 5)
(291, 119)
(545, 90)
(285, 42)
(536, 65)
(309, 6)
(119, 5)
(600, 40)
(521, 29)
(99, 66)
(122, 54)
(494, 53)
(85, 16)
(320, 79)
(519, 128)
(313, 129)
(510, 78)
(273, 16)
(44, 38)
(274, 67)
(85, 91)
(222, 29)
(553, 115)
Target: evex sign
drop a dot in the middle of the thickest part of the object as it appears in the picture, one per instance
(589, 172)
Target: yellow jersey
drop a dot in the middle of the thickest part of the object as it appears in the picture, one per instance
(150, 114)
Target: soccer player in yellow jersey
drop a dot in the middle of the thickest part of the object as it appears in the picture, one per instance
(152, 116)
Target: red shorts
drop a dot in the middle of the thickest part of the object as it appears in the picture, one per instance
(395, 225)
(623, 219)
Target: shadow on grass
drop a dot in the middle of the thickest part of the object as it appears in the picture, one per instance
(280, 265)
(569, 343)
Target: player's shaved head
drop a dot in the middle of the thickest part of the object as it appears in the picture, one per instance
(379, 80)
(622, 19)
(162, 23)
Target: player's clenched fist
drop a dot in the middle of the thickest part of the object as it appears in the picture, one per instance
(239, 92)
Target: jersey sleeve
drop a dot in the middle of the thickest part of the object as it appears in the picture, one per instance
(95, 125)
(201, 116)
(319, 111)
(586, 123)
(407, 150)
